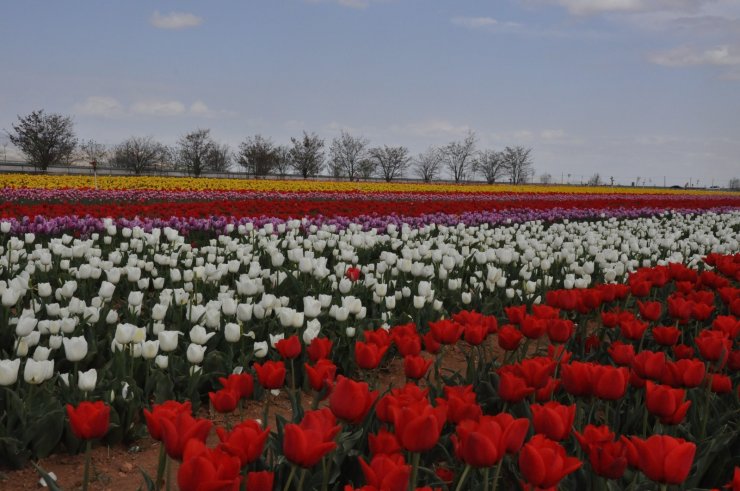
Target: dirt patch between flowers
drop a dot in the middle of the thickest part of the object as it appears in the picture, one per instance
(119, 468)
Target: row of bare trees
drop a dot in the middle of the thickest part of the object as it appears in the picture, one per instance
(48, 139)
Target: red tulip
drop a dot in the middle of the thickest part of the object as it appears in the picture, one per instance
(475, 334)
(516, 314)
(648, 364)
(576, 378)
(177, 432)
(353, 273)
(509, 337)
(545, 311)
(387, 472)
(368, 356)
(384, 442)
(418, 428)
(271, 374)
(633, 329)
(431, 345)
(205, 469)
(553, 419)
(650, 311)
(242, 384)
(713, 345)
(727, 324)
(684, 373)
(665, 459)
(621, 353)
(512, 388)
(721, 384)
(533, 327)
(560, 330)
(408, 345)
(544, 463)
(321, 375)
(245, 441)
(485, 442)
(89, 420)
(446, 331)
(260, 481)
(461, 404)
(667, 403)
(471, 317)
(535, 371)
(319, 348)
(408, 395)
(306, 443)
(379, 337)
(224, 400)
(666, 335)
(640, 288)
(609, 459)
(350, 400)
(594, 434)
(289, 348)
(610, 383)
(682, 351)
(416, 366)
(515, 430)
(167, 410)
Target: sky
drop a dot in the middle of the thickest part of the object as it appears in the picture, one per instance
(623, 88)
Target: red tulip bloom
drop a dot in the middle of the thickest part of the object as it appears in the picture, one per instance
(666, 403)
(727, 324)
(408, 345)
(206, 469)
(509, 337)
(621, 353)
(533, 327)
(431, 345)
(640, 288)
(350, 400)
(610, 319)
(177, 432)
(475, 334)
(379, 337)
(545, 311)
(552, 419)
(721, 384)
(701, 311)
(461, 403)
(512, 388)
(713, 345)
(321, 375)
(650, 311)
(271, 374)
(446, 331)
(544, 463)
(576, 378)
(684, 373)
(289, 348)
(416, 366)
(224, 400)
(535, 371)
(353, 273)
(665, 459)
(260, 481)
(593, 434)
(633, 329)
(319, 348)
(245, 441)
(609, 459)
(89, 420)
(384, 442)
(418, 427)
(516, 314)
(515, 430)
(242, 384)
(560, 330)
(682, 351)
(679, 308)
(649, 365)
(387, 472)
(609, 383)
(167, 410)
(306, 443)
(368, 356)
(666, 335)
(471, 317)
(408, 395)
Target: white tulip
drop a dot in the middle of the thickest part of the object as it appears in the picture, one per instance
(195, 353)
(44, 290)
(232, 332)
(9, 371)
(125, 333)
(87, 380)
(260, 349)
(36, 372)
(106, 290)
(199, 335)
(149, 349)
(25, 326)
(75, 348)
(162, 361)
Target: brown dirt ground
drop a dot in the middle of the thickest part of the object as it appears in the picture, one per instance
(118, 467)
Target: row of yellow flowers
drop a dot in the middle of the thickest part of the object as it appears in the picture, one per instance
(294, 185)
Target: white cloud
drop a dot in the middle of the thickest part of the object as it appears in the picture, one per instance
(552, 134)
(686, 56)
(99, 106)
(175, 20)
(433, 128)
(589, 7)
(158, 108)
(474, 22)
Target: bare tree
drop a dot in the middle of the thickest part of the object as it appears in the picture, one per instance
(391, 161)
(346, 153)
(518, 164)
(734, 184)
(258, 155)
(307, 155)
(366, 168)
(595, 180)
(458, 156)
(139, 154)
(428, 164)
(197, 153)
(282, 161)
(490, 164)
(45, 139)
(220, 158)
(92, 151)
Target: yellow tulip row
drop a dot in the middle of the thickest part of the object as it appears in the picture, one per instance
(294, 185)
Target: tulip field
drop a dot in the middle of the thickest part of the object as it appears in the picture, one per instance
(316, 335)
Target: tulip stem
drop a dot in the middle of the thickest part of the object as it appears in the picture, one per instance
(303, 478)
(498, 474)
(415, 456)
(485, 478)
(86, 475)
(161, 464)
(463, 478)
(290, 478)
(325, 474)
(168, 472)
(664, 487)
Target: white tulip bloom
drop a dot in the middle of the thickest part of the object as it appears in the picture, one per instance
(9, 371)
(195, 353)
(75, 348)
(87, 380)
(36, 372)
